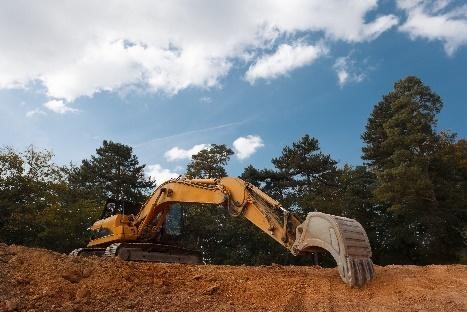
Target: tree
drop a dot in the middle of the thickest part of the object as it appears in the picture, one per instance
(275, 183)
(449, 180)
(38, 207)
(404, 151)
(257, 247)
(114, 172)
(304, 180)
(28, 183)
(206, 225)
(310, 174)
(403, 120)
(210, 162)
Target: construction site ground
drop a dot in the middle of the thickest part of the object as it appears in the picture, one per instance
(41, 280)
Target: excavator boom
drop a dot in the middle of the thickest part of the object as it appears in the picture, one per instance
(345, 239)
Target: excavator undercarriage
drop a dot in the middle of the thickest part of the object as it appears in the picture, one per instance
(126, 235)
(143, 252)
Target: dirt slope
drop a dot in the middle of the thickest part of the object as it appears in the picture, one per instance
(40, 280)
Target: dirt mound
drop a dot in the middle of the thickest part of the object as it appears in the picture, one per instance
(40, 280)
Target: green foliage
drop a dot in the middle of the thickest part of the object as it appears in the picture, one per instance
(415, 176)
(114, 172)
(410, 196)
(224, 239)
(50, 206)
(306, 175)
(401, 124)
(210, 162)
(304, 180)
(33, 200)
(27, 181)
(205, 224)
(274, 183)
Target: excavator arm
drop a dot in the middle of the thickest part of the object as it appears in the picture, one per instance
(345, 239)
(238, 196)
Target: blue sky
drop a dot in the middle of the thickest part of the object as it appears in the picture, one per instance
(171, 77)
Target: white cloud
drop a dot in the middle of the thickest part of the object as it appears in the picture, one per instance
(160, 174)
(244, 147)
(58, 106)
(285, 59)
(177, 153)
(205, 100)
(347, 71)
(81, 48)
(35, 112)
(436, 20)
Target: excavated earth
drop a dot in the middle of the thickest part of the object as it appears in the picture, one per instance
(41, 280)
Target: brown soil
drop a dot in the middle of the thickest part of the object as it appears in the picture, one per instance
(40, 280)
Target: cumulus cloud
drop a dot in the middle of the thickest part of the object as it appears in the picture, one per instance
(160, 174)
(285, 59)
(35, 112)
(59, 107)
(436, 20)
(106, 46)
(347, 71)
(177, 153)
(244, 147)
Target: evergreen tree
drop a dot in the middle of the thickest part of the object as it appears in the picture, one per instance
(224, 239)
(210, 162)
(206, 225)
(309, 173)
(403, 150)
(114, 172)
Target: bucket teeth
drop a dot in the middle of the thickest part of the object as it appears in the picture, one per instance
(359, 271)
(344, 238)
(75, 252)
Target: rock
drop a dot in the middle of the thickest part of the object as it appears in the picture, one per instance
(130, 305)
(83, 293)
(197, 277)
(165, 290)
(70, 306)
(11, 306)
(22, 280)
(211, 290)
(86, 272)
(72, 276)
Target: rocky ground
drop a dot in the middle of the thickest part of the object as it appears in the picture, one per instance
(40, 280)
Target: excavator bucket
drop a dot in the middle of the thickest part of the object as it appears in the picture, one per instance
(344, 238)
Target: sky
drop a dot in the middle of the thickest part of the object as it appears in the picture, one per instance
(169, 78)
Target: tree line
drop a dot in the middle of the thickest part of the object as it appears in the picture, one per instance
(410, 193)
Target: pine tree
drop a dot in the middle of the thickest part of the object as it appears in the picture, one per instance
(310, 174)
(207, 226)
(403, 151)
(114, 172)
(210, 162)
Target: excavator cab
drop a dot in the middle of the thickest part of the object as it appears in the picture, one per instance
(173, 224)
(115, 206)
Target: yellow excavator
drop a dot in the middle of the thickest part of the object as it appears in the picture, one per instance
(135, 234)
